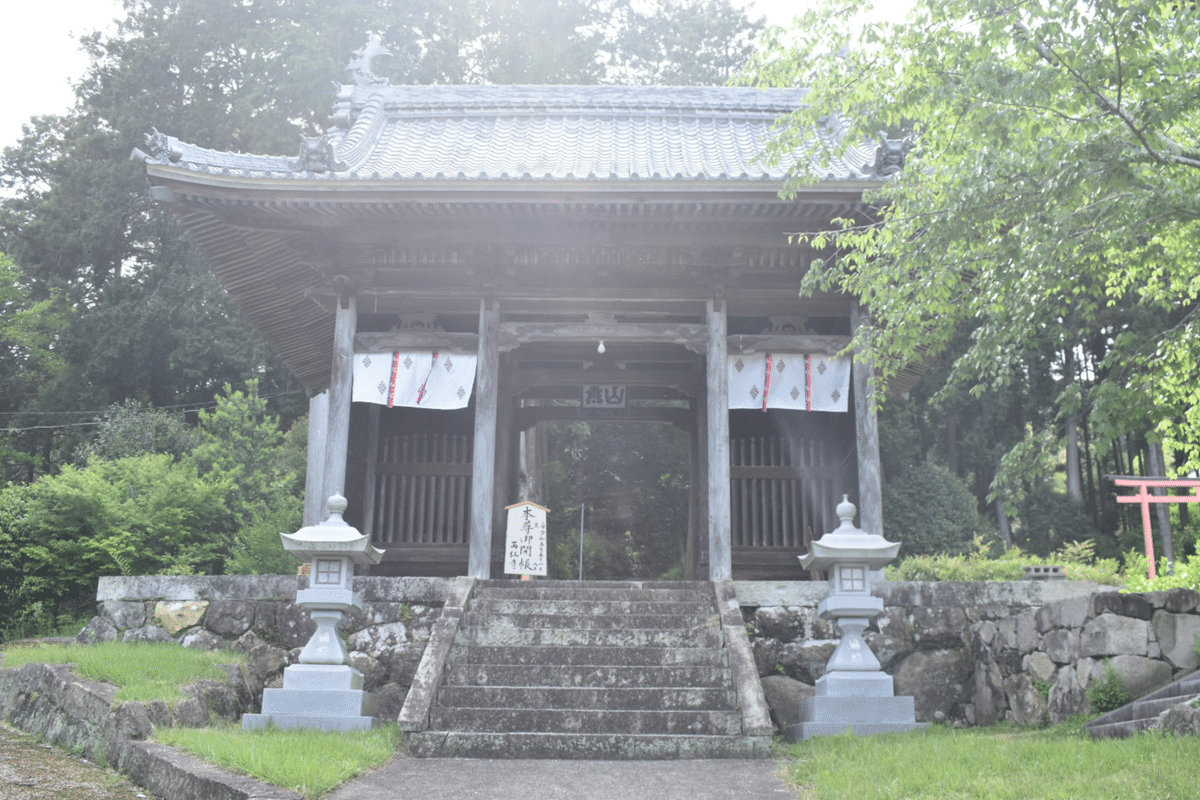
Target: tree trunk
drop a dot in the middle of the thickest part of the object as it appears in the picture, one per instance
(1158, 469)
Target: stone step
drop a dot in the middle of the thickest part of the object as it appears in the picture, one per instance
(1144, 709)
(595, 594)
(603, 676)
(667, 698)
(574, 720)
(588, 656)
(693, 621)
(619, 747)
(603, 608)
(1139, 714)
(475, 634)
(1120, 730)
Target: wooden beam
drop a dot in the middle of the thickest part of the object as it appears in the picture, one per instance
(341, 379)
(681, 418)
(513, 334)
(416, 340)
(720, 559)
(866, 428)
(782, 343)
(487, 385)
(684, 380)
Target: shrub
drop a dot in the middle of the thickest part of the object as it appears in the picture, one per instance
(1109, 694)
(930, 510)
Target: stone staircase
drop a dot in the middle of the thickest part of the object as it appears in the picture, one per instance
(589, 670)
(1137, 716)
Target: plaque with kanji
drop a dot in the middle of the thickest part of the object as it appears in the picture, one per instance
(601, 397)
(525, 539)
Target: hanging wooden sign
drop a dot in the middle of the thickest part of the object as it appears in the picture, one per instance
(525, 539)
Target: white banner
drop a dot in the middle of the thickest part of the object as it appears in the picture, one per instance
(789, 381)
(415, 378)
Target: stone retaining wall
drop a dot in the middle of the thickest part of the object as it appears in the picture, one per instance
(968, 652)
(257, 615)
(975, 653)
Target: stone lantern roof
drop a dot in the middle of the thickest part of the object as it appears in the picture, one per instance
(333, 537)
(847, 543)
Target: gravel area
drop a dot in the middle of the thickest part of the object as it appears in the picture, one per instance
(30, 770)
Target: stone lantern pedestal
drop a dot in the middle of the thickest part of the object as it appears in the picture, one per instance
(323, 691)
(854, 693)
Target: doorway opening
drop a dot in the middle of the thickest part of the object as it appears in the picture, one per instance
(626, 485)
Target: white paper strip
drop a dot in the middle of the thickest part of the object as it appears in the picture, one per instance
(797, 381)
(415, 378)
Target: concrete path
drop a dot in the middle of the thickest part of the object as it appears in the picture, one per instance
(486, 779)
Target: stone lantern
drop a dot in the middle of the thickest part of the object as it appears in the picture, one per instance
(323, 691)
(854, 693)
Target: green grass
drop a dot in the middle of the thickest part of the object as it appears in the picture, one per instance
(998, 763)
(144, 671)
(309, 762)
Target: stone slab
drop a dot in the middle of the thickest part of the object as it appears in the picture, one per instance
(294, 721)
(807, 730)
(303, 702)
(855, 684)
(322, 677)
(846, 710)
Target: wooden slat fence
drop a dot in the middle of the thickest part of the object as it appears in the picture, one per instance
(423, 489)
(783, 494)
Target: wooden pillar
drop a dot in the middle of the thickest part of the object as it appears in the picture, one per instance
(866, 428)
(314, 476)
(720, 545)
(368, 512)
(340, 393)
(484, 466)
(506, 480)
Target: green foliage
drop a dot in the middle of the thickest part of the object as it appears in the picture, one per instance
(305, 761)
(1187, 574)
(131, 429)
(929, 511)
(633, 480)
(1048, 520)
(143, 670)
(1048, 204)
(1110, 693)
(218, 508)
(1077, 559)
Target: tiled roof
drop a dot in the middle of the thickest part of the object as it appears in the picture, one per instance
(536, 133)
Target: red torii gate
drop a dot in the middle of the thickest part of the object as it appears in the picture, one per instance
(1145, 498)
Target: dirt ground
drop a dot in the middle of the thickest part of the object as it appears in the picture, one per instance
(30, 770)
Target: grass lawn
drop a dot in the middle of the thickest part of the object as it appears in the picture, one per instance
(997, 763)
(143, 670)
(309, 762)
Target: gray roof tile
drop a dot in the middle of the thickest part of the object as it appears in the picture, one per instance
(544, 133)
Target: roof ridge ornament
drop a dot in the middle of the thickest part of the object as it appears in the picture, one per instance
(316, 155)
(361, 65)
(160, 148)
(890, 155)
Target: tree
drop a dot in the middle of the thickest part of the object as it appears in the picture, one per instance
(686, 43)
(1049, 204)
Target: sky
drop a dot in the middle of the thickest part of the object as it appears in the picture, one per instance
(44, 37)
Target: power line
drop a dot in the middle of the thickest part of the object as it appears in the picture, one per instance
(185, 407)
